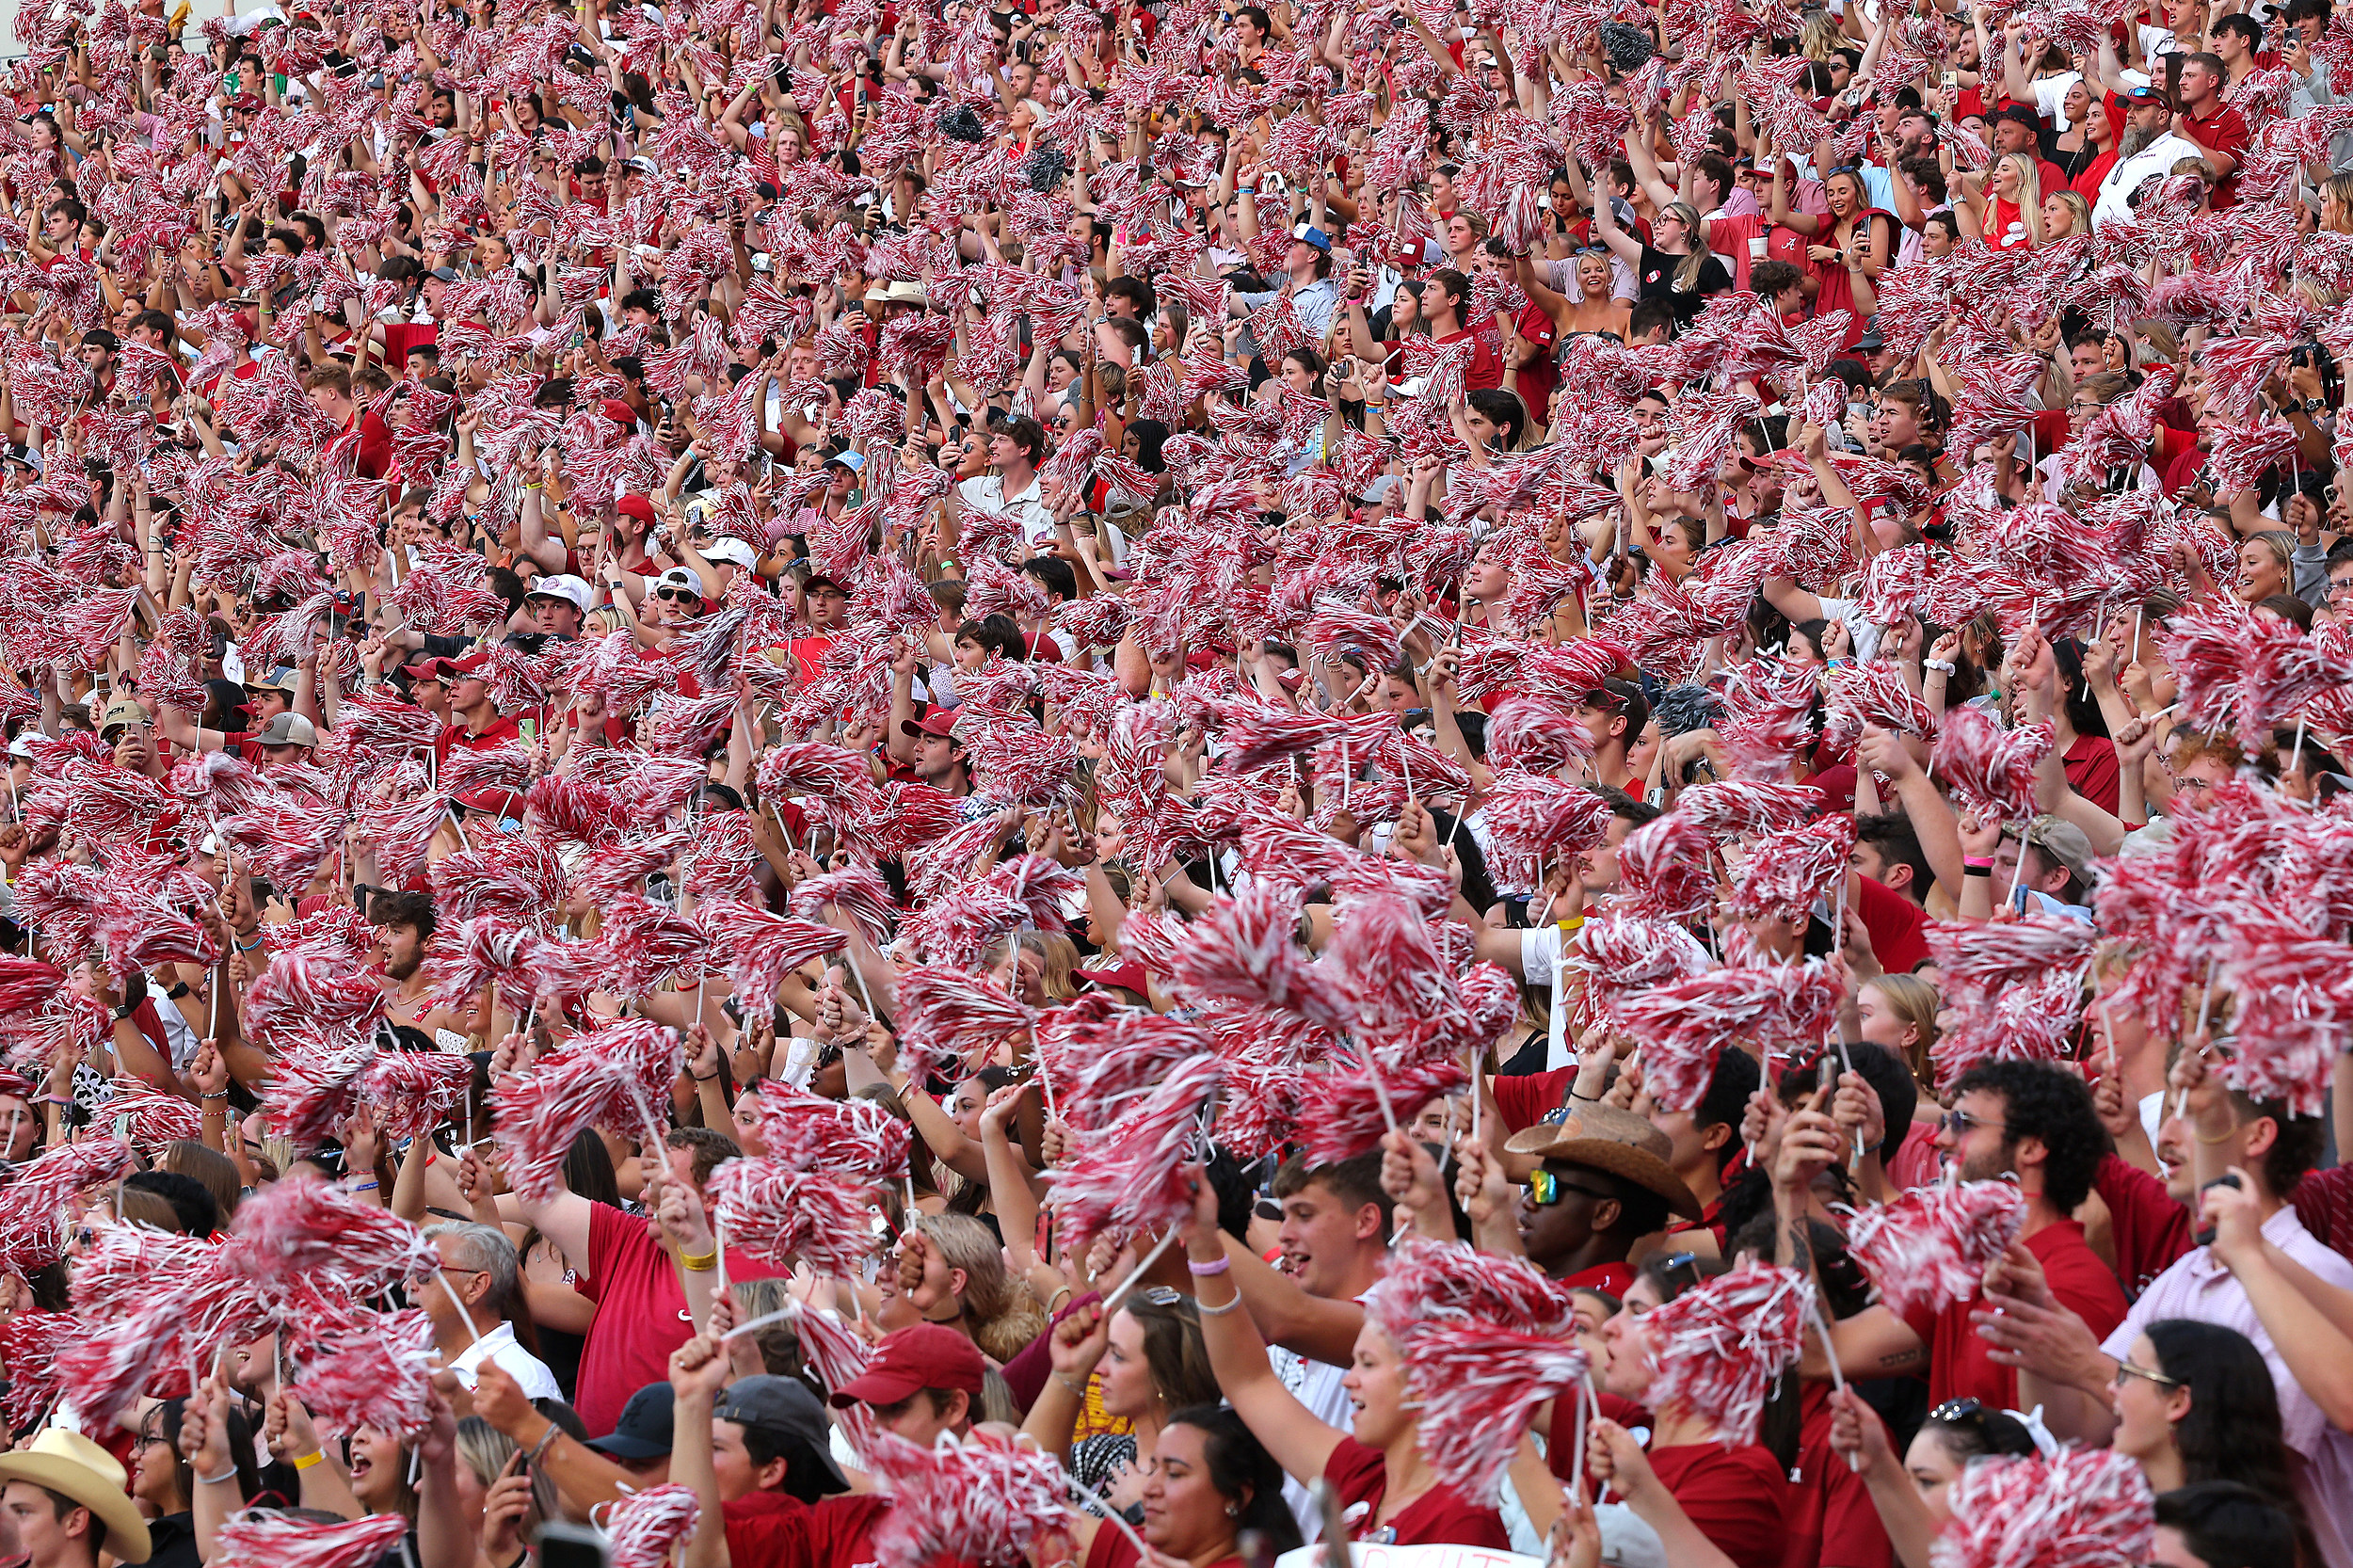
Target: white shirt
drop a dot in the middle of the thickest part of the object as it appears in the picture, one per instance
(2126, 177)
(2050, 97)
(1317, 1385)
(499, 1345)
(1037, 524)
(1542, 961)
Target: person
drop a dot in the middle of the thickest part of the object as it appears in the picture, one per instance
(471, 1302)
(2194, 1402)
(1602, 1182)
(1384, 1483)
(922, 1381)
(2220, 1523)
(64, 1498)
(1151, 1362)
(1211, 1484)
(1911, 1497)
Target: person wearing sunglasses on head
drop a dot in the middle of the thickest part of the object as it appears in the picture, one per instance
(1911, 1499)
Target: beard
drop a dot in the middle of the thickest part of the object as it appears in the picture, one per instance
(2136, 140)
(401, 968)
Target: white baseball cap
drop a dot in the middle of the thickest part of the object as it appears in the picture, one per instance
(570, 589)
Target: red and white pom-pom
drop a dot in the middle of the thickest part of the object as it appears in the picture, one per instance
(1875, 695)
(1717, 1351)
(646, 1526)
(785, 1215)
(762, 948)
(1666, 869)
(1536, 819)
(857, 892)
(147, 1119)
(270, 1538)
(1540, 733)
(613, 1076)
(1261, 735)
(359, 1368)
(1244, 951)
(984, 1499)
(29, 1343)
(1099, 1057)
(2083, 1507)
(1786, 872)
(1129, 1177)
(2014, 989)
(1745, 805)
(1930, 1247)
(1623, 954)
(2295, 996)
(1988, 767)
(1344, 1114)
(948, 1016)
(296, 1235)
(855, 1140)
(1478, 1384)
(26, 983)
(1685, 1025)
(823, 773)
(647, 943)
(413, 1092)
(38, 1200)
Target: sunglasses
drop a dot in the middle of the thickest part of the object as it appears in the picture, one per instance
(1958, 1122)
(678, 595)
(1545, 1189)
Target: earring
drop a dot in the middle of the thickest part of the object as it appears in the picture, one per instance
(1232, 1512)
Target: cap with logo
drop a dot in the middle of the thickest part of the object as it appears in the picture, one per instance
(733, 552)
(289, 729)
(680, 577)
(120, 714)
(646, 1429)
(572, 590)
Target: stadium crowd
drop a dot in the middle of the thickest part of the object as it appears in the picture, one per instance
(808, 783)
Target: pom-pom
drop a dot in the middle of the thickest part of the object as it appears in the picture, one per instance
(2014, 988)
(271, 1538)
(1685, 1025)
(1929, 1249)
(613, 1076)
(786, 1216)
(646, 1526)
(2086, 1507)
(1786, 872)
(1129, 1176)
(1988, 768)
(1717, 1350)
(984, 1499)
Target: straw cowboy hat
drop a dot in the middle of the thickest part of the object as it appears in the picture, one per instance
(69, 1462)
(1619, 1142)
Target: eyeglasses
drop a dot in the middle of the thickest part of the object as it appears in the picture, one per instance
(1545, 1189)
(2126, 1369)
(678, 595)
(1958, 1122)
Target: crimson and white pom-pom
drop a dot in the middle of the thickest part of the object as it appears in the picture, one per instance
(762, 948)
(1930, 1247)
(296, 1235)
(29, 1343)
(1343, 1114)
(39, 1198)
(1536, 819)
(1666, 868)
(2013, 989)
(984, 1499)
(272, 1538)
(1786, 872)
(1717, 1351)
(2295, 1008)
(785, 1215)
(413, 1092)
(613, 1076)
(1541, 734)
(1099, 1057)
(646, 1526)
(362, 1367)
(1685, 1025)
(947, 1015)
(1478, 1384)
(855, 1140)
(1244, 951)
(1131, 1176)
(149, 1120)
(2085, 1508)
(1990, 768)
(1745, 806)
(1624, 954)
(857, 892)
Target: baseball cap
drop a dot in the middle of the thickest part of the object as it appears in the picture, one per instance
(492, 801)
(2019, 114)
(734, 552)
(1315, 239)
(1128, 977)
(618, 412)
(936, 721)
(280, 678)
(919, 1356)
(2148, 92)
(1870, 343)
(245, 101)
(121, 713)
(446, 274)
(641, 164)
(785, 1408)
(1381, 488)
(680, 577)
(851, 460)
(646, 1429)
(570, 589)
(2055, 837)
(289, 729)
(430, 669)
(638, 506)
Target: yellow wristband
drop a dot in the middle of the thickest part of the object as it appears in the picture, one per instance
(701, 1263)
(316, 1456)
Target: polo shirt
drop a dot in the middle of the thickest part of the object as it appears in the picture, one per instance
(2224, 131)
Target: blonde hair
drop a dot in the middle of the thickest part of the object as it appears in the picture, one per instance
(1688, 270)
(2078, 210)
(2029, 193)
(1057, 956)
(998, 1313)
(1913, 1001)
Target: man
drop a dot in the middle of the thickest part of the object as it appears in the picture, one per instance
(639, 1271)
(366, 434)
(66, 1499)
(1887, 850)
(122, 728)
(1704, 1141)
(1015, 447)
(475, 723)
(1445, 296)
(922, 1381)
(558, 606)
(2018, 128)
(467, 1301)
(287, 738)
(1614, 715)
(1306, 276)
(2058, 874)
(428, 686)
(1603, 1182)
(2269, 1151)
(2148, 149)
(755, 1452)
(100, 350)
(2212, 126)
(2028, 1121)
(404, 923)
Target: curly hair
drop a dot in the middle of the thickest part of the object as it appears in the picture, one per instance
(2043, 1101)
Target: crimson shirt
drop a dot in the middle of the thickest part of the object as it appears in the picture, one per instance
(1736, 1496)
(1961, 1365)
(2224, 131)
(1440, 1516)
(501, 733)
(1896, 926)
(2149, 1228)
(1833, 1522)
(1486, 367)
(1525, 1099)
(2324, 1201)
(2091, 772)
(641, 1313)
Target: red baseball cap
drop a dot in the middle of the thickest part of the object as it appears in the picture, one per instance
(619, 413)
(638, 506)
(492, 801)
(936, 721)
(1128, 977)
(923, 1356)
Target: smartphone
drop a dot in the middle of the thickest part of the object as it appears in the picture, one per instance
(1951, 81)
(2205, 1233)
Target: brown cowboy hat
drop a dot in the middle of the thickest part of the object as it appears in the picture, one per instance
(1605, 1138)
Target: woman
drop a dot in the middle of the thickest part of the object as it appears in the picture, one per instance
(1857, 244)
(2264, 567)
(1675, 267)
(1210, 1483)
(1913, 1500)
(2065, 214)
(2336, 205)
(1387, 1490)
(2217, 1523)
(1152, 1362)
(2072, 149)
(1593, 308)
(2104, 130)
(163, 1482)
(495, 1492)
(2009, 203)
(2085, 750)
(1897, 1012)
(1734, 1493)
(953, 1261)
(2195, 1402)
(19, 1124)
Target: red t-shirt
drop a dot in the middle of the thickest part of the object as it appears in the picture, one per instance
(1832, 1523)
(1525, 1100)
(2149, 1228)
(500, 734)
(1486, 367)
(1738, 1496)
(1617, 1278)
(402, 336)
(1963, 1365)
(641, 1313)
(1539, 376)
(1440, 1516)
(2091, 772)
(376, 445)
(1895, 924)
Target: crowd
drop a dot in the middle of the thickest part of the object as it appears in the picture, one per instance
(817, 783)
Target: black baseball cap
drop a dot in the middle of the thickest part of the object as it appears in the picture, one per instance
(645, 1430)
(784, 1408)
